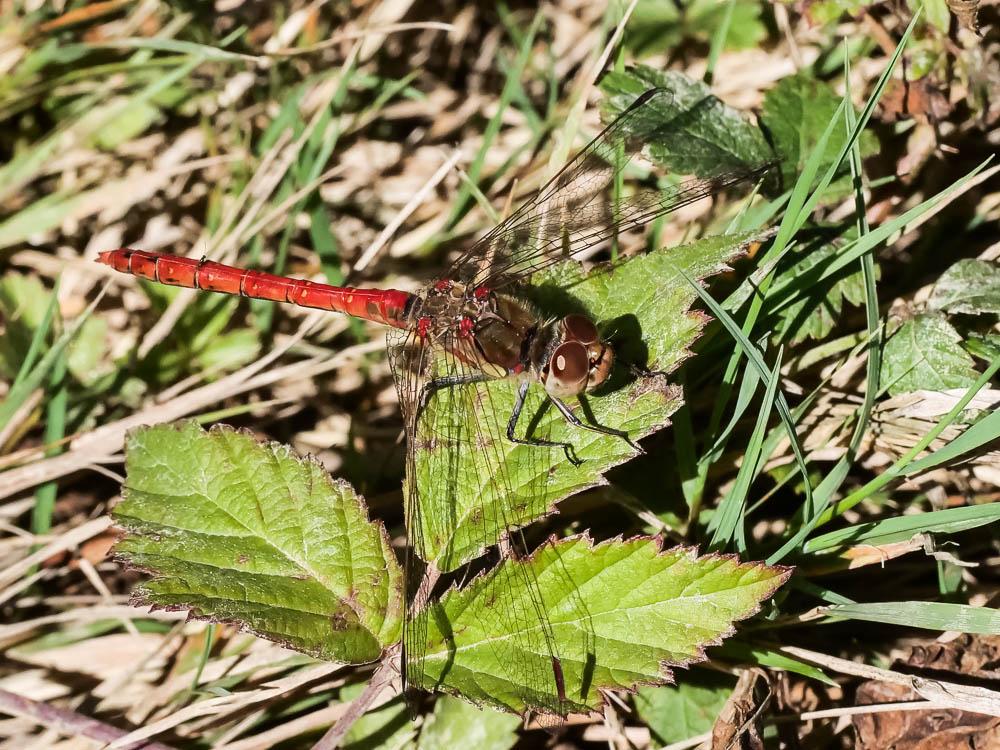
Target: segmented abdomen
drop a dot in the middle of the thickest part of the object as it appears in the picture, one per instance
(386, 306)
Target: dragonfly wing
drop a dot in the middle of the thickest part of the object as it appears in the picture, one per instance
(470, 491)
(573, 213)
(409, 360)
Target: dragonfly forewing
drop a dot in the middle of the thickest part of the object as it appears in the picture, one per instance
(574, 213)
(509, 631)
(470, 491)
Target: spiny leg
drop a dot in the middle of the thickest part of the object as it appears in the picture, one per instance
(522, 393)
(641, 371)
(577, 422)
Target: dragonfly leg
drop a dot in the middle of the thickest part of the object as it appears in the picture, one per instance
(433, 386)
(640, 371)
(522, 393)
(577, 422)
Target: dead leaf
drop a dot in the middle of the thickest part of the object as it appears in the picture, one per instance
(921, 100)
(740, 724)
(933, 729)
(967, 13)
(96, 550)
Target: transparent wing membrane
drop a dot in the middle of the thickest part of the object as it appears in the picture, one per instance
(573, 212)
(471, 493)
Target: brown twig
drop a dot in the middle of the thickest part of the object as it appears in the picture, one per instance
(427, 584)
(382, 678)
(68, 722)
(970, 698)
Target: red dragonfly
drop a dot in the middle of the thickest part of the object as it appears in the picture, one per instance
(472, 326)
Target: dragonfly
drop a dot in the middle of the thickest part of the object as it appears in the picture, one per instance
(447, 343)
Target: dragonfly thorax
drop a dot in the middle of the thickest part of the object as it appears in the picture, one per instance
(503, 335)
(450, 309)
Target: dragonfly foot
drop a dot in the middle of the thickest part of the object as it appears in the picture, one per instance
(639, 371)
(571, 455)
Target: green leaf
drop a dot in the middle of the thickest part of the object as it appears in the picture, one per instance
(23, 302)
(737, 650)
(656, 26)
(969, 286)
(87, 350)
(642, 305)
(926, 353)
(678, 712)
(456, 723)
(901, 528)
(796, 112)
(475, 483)
(236, 530)
(817, 311)
(618, 613)
(927, 615)
(700, 135)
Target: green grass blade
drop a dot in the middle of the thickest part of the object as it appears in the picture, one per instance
(719, 42)
(757, 360)
(855, 250)
(513, 82)
(982, 433)
(162, 44)
(19, 392)
(38, 337)
(786, 230)
(206, 652)
(742, 651)
(835, 478)
(822, 593)
(868, 271)
(926, 615)
(732, 507)
(24, 168)
(696, 486)
(799, 205)
(859, 126)
(901, 528)
(55, 431)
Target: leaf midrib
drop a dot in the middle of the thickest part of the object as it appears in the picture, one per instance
(573, 621)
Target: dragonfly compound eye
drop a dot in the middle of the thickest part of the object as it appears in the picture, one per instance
(580, 328)
(569, 369)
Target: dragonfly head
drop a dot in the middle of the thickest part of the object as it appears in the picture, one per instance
(580, 360)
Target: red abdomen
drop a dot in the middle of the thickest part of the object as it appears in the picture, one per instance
(386, 306)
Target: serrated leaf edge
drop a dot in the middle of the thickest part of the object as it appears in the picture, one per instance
(141, 594)
(784, 572)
